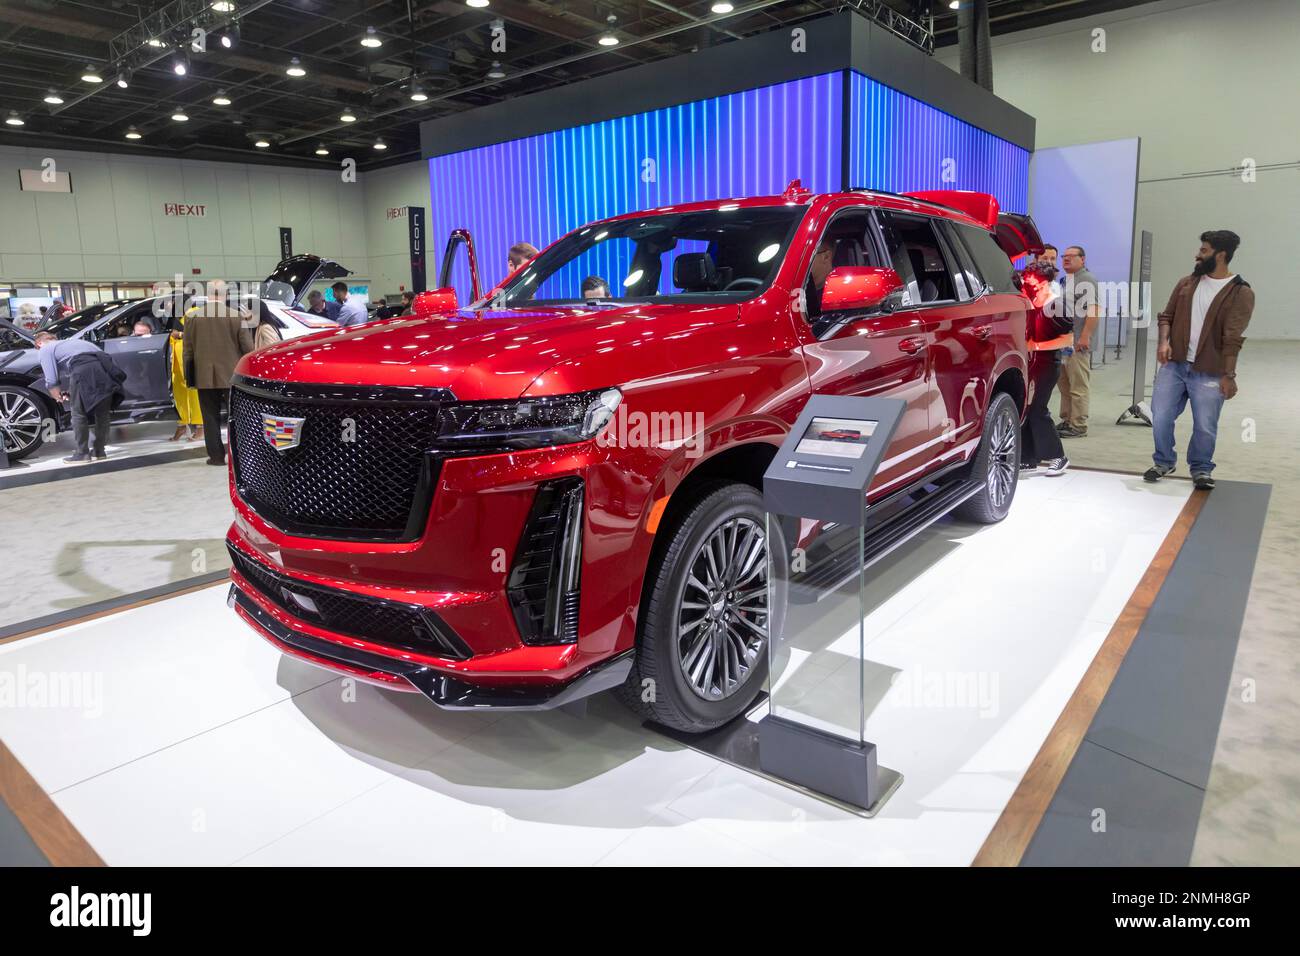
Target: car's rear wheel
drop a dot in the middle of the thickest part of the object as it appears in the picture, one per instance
(22, 421)
(705, 621)
(997, 463)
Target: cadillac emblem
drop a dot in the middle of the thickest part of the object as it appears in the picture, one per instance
(282, 433)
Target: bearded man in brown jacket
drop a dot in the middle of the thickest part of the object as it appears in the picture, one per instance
(1201, 333)
(216, 338)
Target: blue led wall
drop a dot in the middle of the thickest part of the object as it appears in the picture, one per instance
(537, 188)
(899, 144)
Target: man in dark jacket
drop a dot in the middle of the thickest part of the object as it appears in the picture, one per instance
(1201, 333)
(94, 385)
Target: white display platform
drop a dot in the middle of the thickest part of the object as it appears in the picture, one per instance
(194, 742)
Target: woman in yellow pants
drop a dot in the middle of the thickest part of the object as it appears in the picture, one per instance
(185, 398)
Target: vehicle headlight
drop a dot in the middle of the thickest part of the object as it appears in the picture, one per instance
(527, 422)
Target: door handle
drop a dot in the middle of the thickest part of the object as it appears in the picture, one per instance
(983, 332)
(911, 345)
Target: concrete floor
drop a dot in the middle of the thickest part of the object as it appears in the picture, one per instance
(1252, 805)
(70, 543)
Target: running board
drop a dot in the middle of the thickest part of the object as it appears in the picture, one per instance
(889, 534)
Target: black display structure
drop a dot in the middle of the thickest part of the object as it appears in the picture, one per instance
(815, 494)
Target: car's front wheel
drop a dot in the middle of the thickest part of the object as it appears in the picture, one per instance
(22, 421)
(705, 622)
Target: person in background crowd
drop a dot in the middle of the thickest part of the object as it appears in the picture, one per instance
(518, 254)
(44, 309)
(93, 384)
(266, 335)
(595, 287)
(1040, 444)
(55, 312)
(1080, 303)
(408, 303)
(184, 396)
(352, 311)
(1048, 256)
(1202, 330)
(141, 327)
(317, 304)
(215, 338)
(386, 311)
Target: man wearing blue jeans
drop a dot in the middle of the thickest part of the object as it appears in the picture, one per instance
(1201, 333)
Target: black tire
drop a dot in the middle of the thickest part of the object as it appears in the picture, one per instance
(996, 465)
(20, 434)
(658, 687)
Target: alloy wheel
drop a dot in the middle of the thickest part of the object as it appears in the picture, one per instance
(722, 624)
(1002, 464)
(20, 422)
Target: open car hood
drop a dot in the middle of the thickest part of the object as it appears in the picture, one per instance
(293, 278)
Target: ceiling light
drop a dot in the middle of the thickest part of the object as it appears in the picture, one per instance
(181, 65)
(371, 39)
(380, 144)
(496, 73)
(91, 75)
(347, 116)
(221, 99)
(953, 5)
(476, 3)
(230, 34)
(124, 79)
(223, 6)
(321, 150)
(155, 42)
(607, 38)
(262, 142)
(132, 133)
(180, 117)
(53, 97)
(13, 119)
(722, 8)
(295, 68)
(417, 93)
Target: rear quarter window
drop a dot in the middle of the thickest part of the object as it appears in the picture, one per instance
(991, 261)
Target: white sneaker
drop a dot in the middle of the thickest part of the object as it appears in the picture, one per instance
(1056, 466)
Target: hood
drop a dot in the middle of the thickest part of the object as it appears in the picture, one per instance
(480, 355)
(293, 278)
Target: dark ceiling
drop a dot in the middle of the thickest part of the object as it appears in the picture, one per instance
(446, 45)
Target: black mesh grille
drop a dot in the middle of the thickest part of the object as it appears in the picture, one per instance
(543, 585)
(370, 479)
(405, 626)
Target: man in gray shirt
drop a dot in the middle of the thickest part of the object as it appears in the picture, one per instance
(351, 311)
(1080, 302)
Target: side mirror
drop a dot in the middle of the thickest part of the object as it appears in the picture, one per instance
(862, 288)
(435, 302)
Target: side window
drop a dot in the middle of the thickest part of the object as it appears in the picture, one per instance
(992, 262)
(967, 275)
(914, 240)
(846, 241)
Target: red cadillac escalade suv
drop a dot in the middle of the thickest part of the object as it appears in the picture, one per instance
(544, 495)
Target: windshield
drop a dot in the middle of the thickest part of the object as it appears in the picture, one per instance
(70, 325)
(715, 255)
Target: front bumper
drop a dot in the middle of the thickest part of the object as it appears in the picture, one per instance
(444, 689)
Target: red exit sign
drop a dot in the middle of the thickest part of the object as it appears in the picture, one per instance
(184, 209)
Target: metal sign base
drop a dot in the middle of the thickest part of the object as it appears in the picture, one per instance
(1141, 412)
(737, 743)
